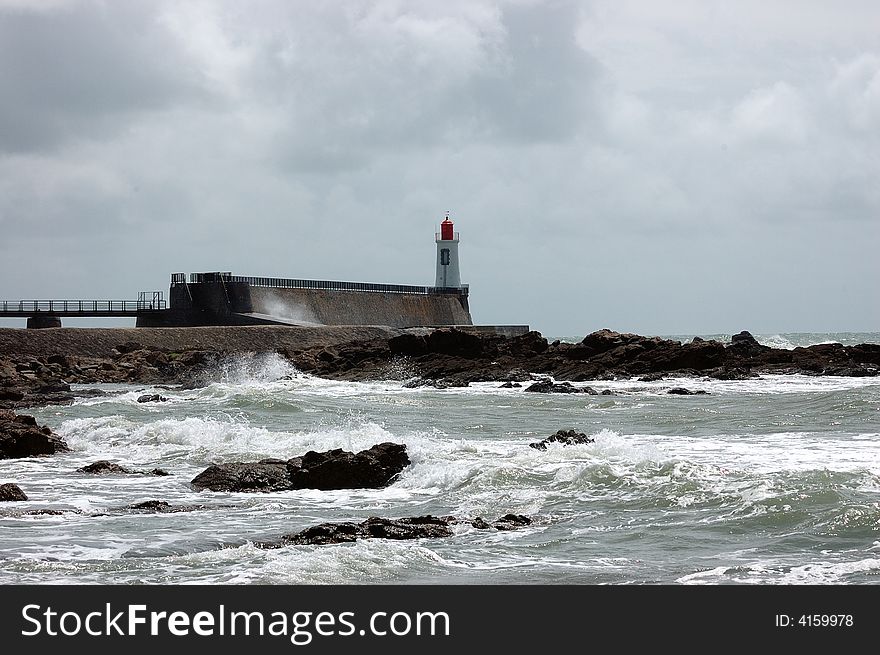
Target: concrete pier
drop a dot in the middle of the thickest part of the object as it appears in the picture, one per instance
(42, 321)
(226, 299)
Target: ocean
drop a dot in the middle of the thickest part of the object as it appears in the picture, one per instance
(774, 480)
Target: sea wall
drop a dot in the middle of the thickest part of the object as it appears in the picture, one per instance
(100, 342)
(240, 303)
(361, 307)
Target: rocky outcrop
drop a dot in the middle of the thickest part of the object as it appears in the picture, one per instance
(681, 391)
(442, 358)
(160, 507)
(511, 522)
(417, 527)
(373, 468)
(152, 398)
(11, 492)
(103, 467)
(20, 436)
(448, 357)
(548, 386)
(565, 437)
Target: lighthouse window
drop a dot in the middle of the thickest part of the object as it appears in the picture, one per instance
(444, 256)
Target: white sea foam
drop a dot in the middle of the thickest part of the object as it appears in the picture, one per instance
(812, 573)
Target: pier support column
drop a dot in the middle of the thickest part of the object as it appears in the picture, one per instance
(41, 321)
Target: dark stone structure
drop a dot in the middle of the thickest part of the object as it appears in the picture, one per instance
(43, 321)
(225, 299)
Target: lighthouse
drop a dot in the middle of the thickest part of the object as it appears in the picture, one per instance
(448, 275)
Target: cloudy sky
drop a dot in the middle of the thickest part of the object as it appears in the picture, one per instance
(656, 167)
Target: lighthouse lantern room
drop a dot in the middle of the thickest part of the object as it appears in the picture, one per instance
(448, 275)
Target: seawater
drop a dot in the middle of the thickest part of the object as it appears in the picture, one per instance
(774, 480)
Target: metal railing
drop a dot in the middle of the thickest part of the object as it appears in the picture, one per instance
(85, 307)
(327, 285)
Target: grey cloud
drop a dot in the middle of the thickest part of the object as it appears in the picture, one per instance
(80, 71)
(628, 166)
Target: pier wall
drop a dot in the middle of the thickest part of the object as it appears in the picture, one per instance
(361, 307)
(240, 303)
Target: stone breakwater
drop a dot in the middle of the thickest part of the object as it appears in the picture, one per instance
(37, 367)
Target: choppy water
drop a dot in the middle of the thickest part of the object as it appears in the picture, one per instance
(773, 480)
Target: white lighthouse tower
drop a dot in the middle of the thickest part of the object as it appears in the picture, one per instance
(448, 275)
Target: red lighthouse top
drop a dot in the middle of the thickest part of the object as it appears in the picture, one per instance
(447, 232)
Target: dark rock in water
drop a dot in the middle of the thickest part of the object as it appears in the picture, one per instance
(152, 398)
(90, 393)
(745, 345)
(337, 469)
(511, 522)
(744, 337)
(103, 466)
(548, 386)
(565, 437)
(416, 527)
(607, 392)
(442, 383)
(151, 506)
(265, 475)
(510, 385)
(373, 468)
(161, 507)
(11, 492)
(681, 391)
(20, 436)
(731, 374)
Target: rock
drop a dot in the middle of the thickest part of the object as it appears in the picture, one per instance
(11, 394)
(745, 345)
(607, 392)
(90, 393)
(128, 347)
(454, 342)
(548, 386)
(20, 436)
(443, 383)
(152, 398)
(373, 468)
(337, 469)
(104, 466)
(731, 374)
(417, 527)
(408, 345)
(160, 507)
(510, 385)
(511, 522)
(681, 391)
(266, 475)
(744, 337)
(565, 437)
(11, 492)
